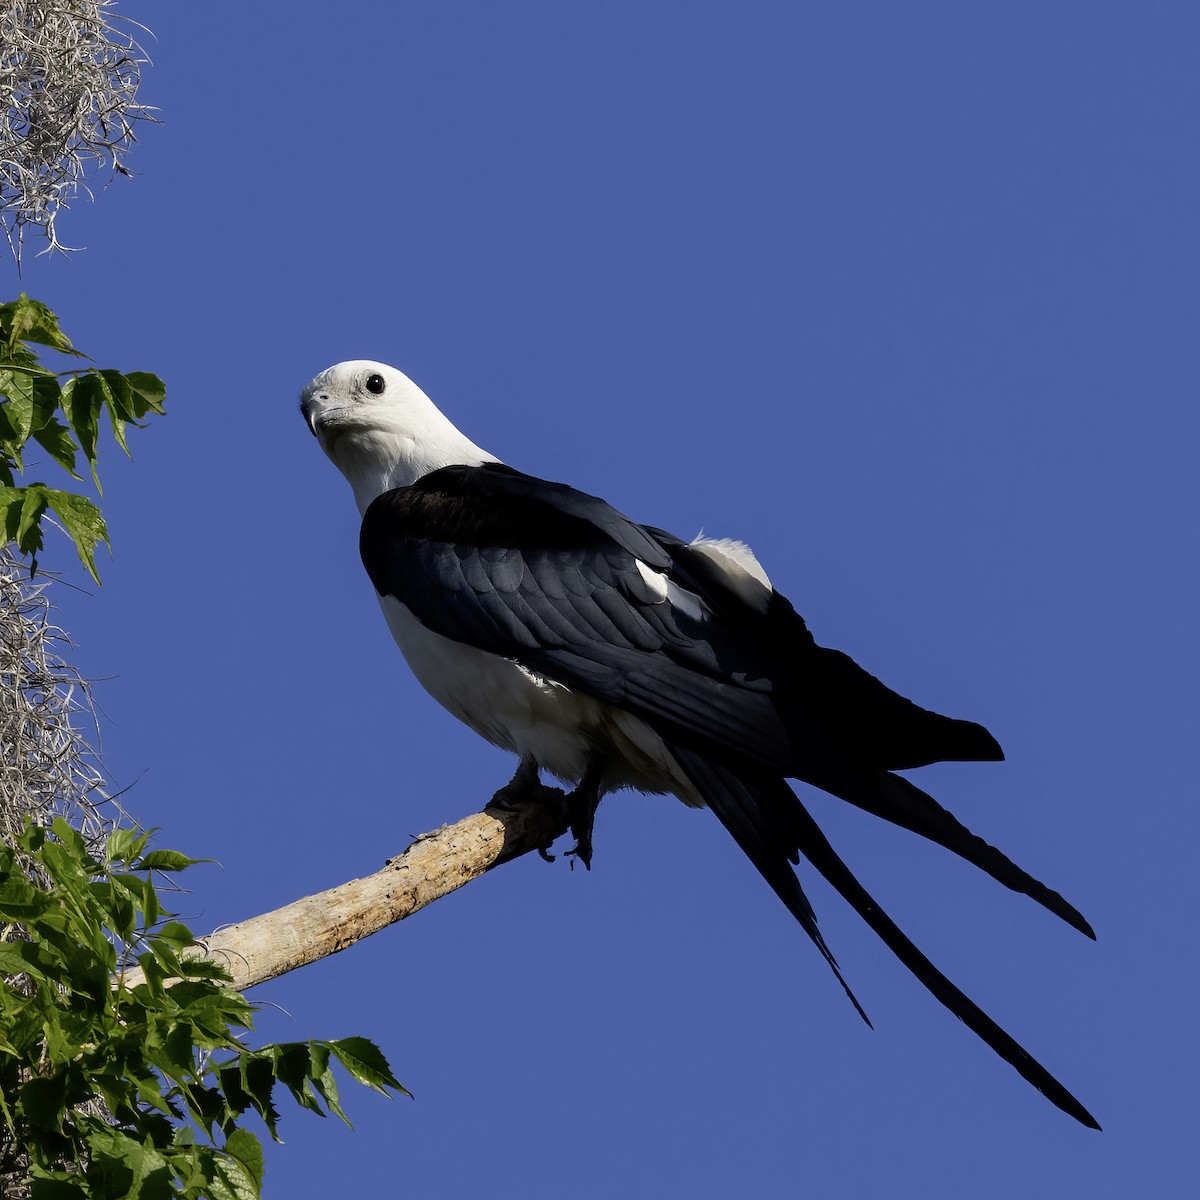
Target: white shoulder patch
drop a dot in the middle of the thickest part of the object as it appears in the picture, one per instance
(661, 588)
(742, 571)
(654, 580)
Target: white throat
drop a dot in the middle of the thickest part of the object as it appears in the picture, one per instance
(375, 461)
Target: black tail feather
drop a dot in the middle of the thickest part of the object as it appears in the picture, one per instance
(739, 807)
(816, 848)
(903, 803)
(858, 714)
(768, 821)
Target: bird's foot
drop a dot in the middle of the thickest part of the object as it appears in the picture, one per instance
(523, 786)
(582, 852)
(581, 810)
(526, 787)
(507, 798)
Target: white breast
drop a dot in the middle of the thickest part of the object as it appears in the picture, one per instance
(534, 717)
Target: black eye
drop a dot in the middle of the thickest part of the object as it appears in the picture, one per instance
(375, 384)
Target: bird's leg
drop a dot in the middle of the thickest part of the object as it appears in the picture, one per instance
(581, 808)
(524, 785)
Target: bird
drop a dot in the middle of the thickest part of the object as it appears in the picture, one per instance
(611, 654)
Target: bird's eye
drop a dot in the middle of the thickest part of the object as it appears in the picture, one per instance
(375, 384)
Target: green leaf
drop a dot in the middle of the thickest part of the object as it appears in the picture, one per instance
(229, 1180)
(258, 1080)
(57, 1186)
(125, 843)
(19, 411)
(207, 1106)
(20, 906)
(175, 934)
(42, 1101)
(214, 1011)
(177, 1049)
(292, 1068)
(60, 1046)
(149, 392)
(26, 320)
(121, 404)
(321, 1077)
(366, 1063)
(245, 1147)
(72, 839)
(204, 968)
(47, 396)
(21, 511)
(82, 520)
(125, 1167)
(166, 860)
(29, 532)
(158, 964)
(19, 958)
(55, 438)
(83, 403)
(11, 501)
(130, 896)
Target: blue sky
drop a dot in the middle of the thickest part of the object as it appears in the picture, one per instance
(905, 296)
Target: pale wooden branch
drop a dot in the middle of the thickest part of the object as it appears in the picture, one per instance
(436, 864)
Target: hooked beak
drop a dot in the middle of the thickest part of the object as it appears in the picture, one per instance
(309, 410)
(323, 417)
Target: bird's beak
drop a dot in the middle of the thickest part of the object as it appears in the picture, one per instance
(309, 411)
(322, 417)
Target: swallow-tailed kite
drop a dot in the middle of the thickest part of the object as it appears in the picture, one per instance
(612, 654)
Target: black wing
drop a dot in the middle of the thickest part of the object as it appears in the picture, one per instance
(541, 572)
(546, 575)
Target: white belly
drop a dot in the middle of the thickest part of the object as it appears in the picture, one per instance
(562, 730)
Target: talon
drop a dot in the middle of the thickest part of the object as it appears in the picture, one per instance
(581, 854)
(581, 809)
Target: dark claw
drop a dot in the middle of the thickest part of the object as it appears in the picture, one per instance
(582, 812)
(580, 853)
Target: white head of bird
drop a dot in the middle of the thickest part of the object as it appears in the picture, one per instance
(380, 430)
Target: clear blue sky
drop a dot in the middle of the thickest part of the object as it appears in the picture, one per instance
(904, 295)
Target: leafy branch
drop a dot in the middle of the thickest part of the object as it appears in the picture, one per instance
(61, 412)
(164, 1055)
(123, 1073)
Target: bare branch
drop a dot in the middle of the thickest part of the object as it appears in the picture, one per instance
(436, 864)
